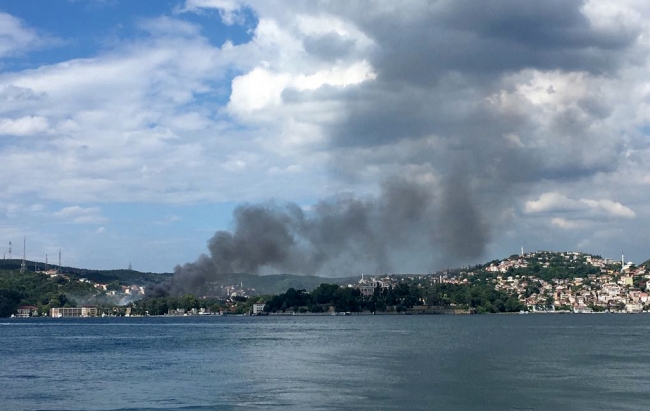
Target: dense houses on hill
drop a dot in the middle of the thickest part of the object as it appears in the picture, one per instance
(614, 286)
(584, 283)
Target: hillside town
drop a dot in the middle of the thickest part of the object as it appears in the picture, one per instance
(547, 282)
(592, 283)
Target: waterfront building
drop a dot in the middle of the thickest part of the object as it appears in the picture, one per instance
(26, 311)
(258, 308)
(85, 311)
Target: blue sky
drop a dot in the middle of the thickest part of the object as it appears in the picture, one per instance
(131, 130)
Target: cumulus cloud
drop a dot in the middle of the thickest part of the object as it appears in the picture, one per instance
(610, 207)
(554, 203)
(80, 215)
(568, 224)
(23, 126)
(260, 88)
(15, 37)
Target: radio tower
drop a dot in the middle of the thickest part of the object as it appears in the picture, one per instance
(10, 250)
(23, 265)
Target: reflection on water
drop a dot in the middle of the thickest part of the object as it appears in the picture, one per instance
(534, 362)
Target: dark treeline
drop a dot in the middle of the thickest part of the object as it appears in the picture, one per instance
(402, 297)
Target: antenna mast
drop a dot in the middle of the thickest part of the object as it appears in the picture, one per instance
(23, 265)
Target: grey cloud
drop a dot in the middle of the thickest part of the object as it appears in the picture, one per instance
(436, 69)
(488, 38)
(552, 24)
(331, 46)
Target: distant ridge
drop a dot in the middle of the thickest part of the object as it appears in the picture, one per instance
(98, 276)
(262, 284)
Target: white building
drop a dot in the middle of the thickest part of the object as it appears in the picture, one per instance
(258, 308)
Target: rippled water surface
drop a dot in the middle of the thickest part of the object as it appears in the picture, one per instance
(498, 362)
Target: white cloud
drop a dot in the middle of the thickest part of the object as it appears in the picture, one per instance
(567, 224)
(228, 9)
(23, 126)
(553, 203)
(261, 88)
(356, 73)
(611, 208)
(80, 215)
(613, 17)
(110, 117)
(15, 38)
(256, 90)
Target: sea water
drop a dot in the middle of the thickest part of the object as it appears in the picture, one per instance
(491, 362)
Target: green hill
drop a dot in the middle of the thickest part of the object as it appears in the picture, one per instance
(124, 277)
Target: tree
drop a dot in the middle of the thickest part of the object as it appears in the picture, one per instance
(513, 305)
(324, 293)
(9, 300)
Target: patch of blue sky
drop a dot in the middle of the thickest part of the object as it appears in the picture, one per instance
(75, 29)
(134, 232)
(83, 29)
(213, 28)
(196, 217)
(216, 98)
(645, 130)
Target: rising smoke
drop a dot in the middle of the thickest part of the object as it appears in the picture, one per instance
(406, 225)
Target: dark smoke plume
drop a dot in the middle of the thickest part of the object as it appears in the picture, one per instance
(408, 226)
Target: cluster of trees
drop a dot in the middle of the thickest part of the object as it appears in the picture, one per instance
(402, 297)
(482, 298)
(319, 300)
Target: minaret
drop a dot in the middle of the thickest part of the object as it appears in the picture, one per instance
(622, 262)
(59, 261)
(522, 250)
